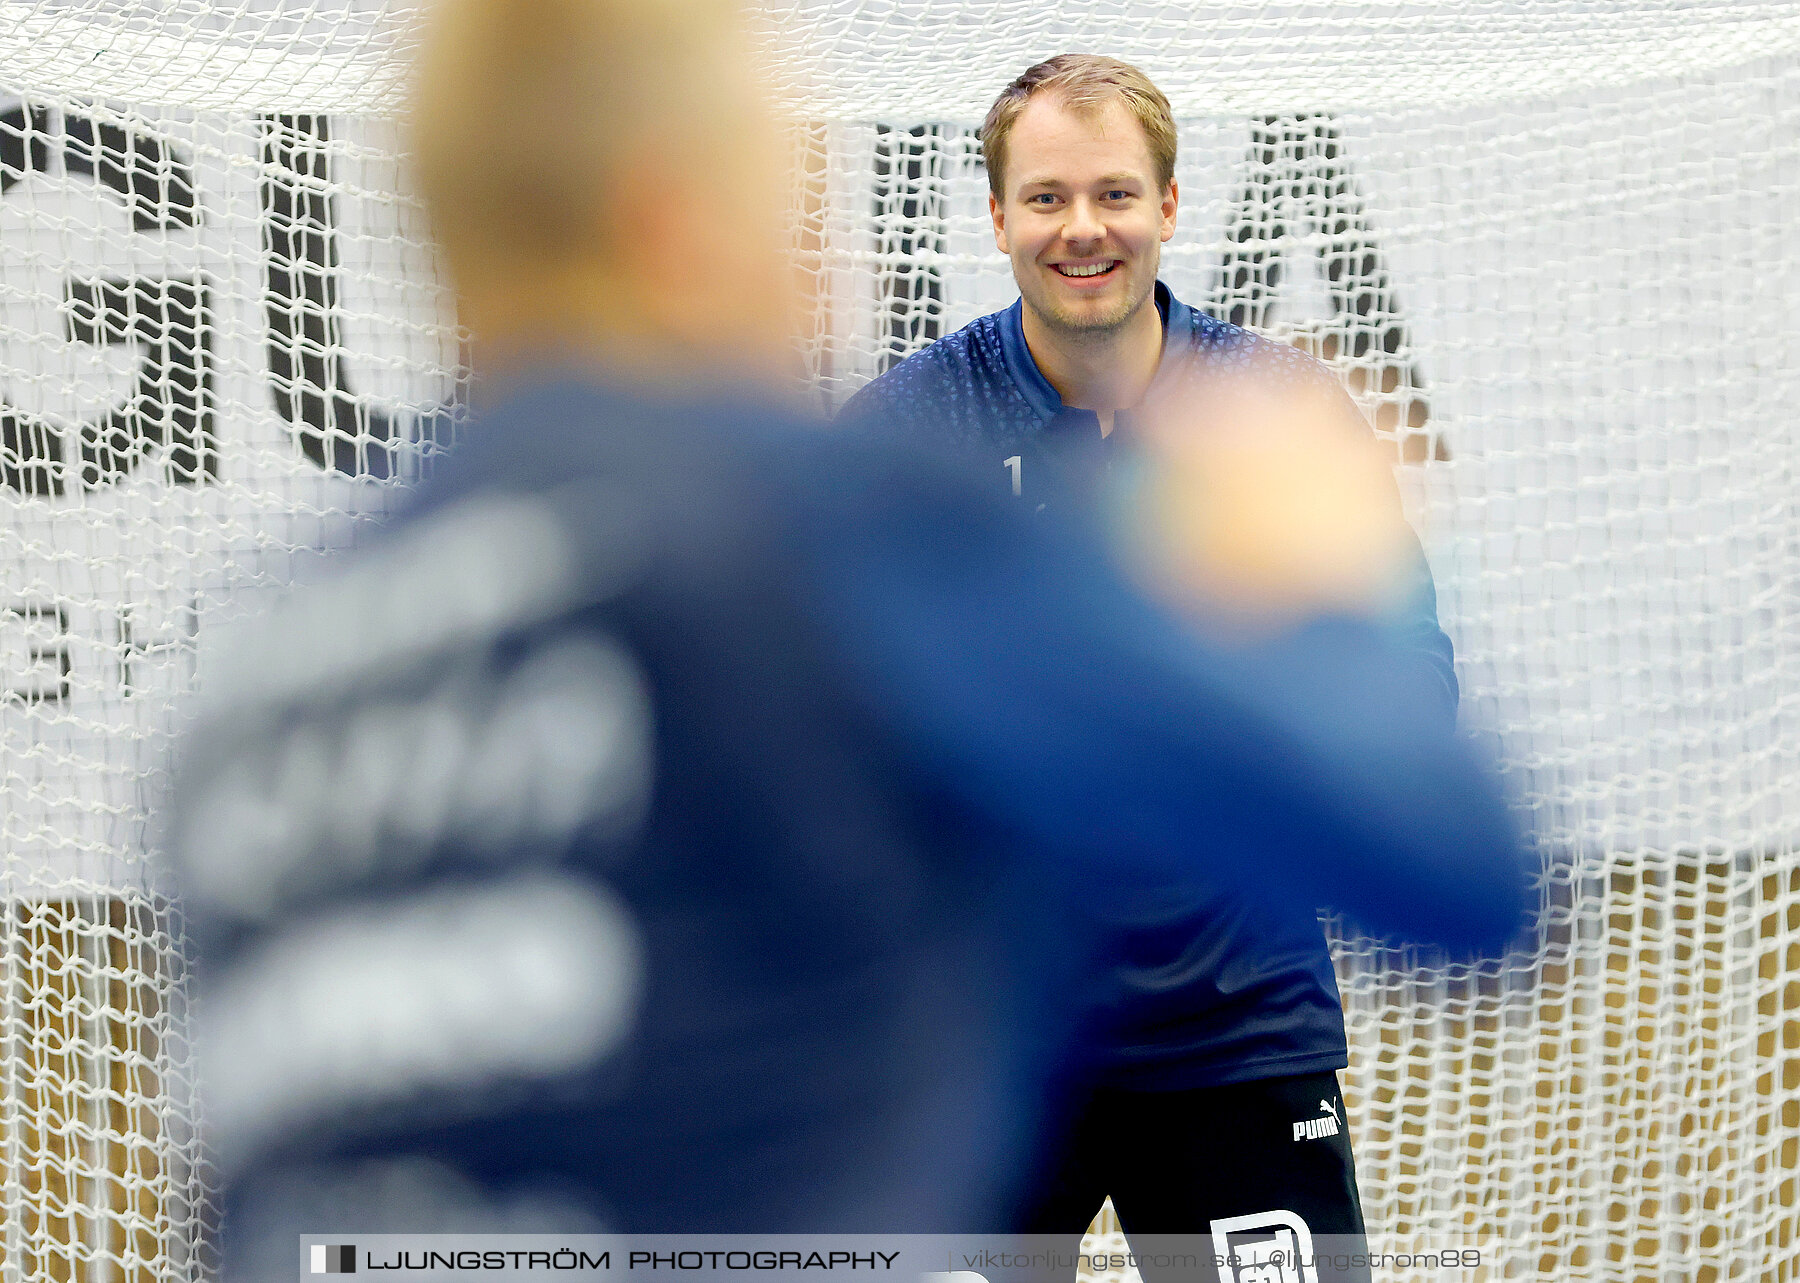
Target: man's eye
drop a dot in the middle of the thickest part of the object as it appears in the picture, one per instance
(1042, 198)
(1118, 194)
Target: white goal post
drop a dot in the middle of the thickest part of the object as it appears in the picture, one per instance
(1549, 245)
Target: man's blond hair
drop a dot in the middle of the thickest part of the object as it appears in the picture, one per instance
(605, 180)
(526, 112)
(1085, 82)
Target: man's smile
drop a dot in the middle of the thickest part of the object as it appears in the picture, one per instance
(1086, 271)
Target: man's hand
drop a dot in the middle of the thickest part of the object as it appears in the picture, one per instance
(1267, 503)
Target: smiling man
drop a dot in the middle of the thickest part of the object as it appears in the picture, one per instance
(1080, 154)
(1082, 164)
(1214, 1099)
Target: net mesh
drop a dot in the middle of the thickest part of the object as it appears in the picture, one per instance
(1546, 245)
(221, 342)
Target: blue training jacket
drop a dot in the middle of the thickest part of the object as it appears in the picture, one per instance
(1205, 989)
(672, 823)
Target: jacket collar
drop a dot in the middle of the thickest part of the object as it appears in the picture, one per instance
(1045, 402)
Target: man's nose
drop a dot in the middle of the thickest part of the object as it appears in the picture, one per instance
(1083, 225)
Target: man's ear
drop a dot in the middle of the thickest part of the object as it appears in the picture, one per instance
(1171, 199)
(997, 212)
(692, 278)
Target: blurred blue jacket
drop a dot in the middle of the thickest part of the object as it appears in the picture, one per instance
(798, 751)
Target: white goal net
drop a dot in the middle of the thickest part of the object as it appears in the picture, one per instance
(1548, 244)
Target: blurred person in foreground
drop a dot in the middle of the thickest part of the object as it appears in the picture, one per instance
(1219, 1026)
(670, 824)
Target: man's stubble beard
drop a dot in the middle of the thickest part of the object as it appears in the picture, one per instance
(1090, 329)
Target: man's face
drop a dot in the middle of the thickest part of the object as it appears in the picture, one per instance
(1083, 218)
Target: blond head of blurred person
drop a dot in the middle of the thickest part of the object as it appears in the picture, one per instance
(604, 180)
